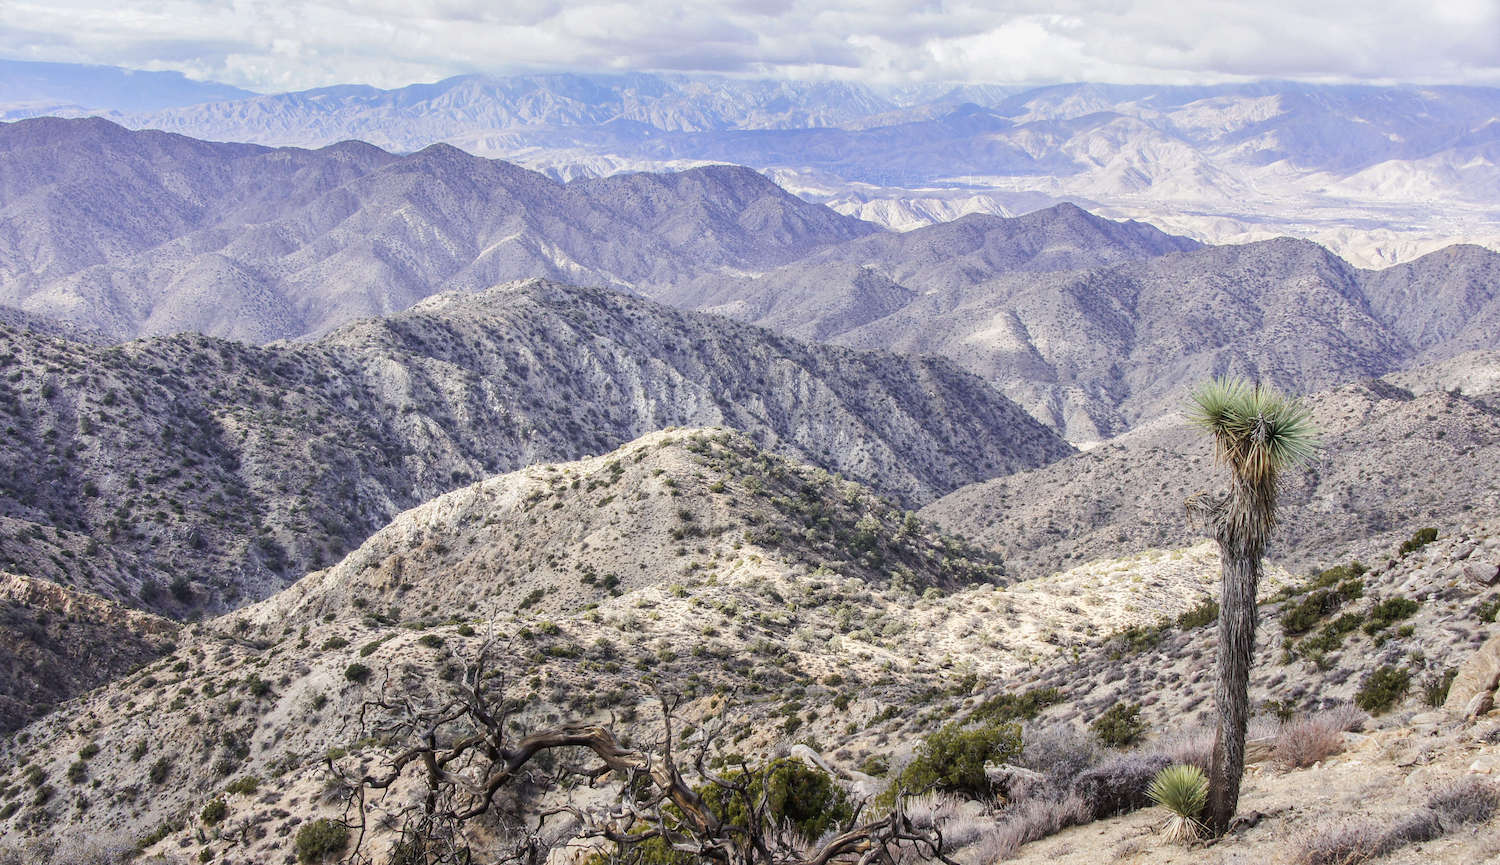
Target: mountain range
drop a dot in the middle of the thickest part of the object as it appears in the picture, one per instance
(137, 233)
(1380, 174)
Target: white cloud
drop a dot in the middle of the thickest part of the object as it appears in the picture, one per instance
(287, 44)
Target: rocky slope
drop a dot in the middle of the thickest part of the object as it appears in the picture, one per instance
(189, 473)
(138, 233)
(692, 559)
(1095, 326)
(59, 643)
(1418, 447)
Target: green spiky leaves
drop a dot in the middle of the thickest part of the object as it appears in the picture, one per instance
(1182, 790)
(1257, 430)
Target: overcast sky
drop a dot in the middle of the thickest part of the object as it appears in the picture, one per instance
(273, 45)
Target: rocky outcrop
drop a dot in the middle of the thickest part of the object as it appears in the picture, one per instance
(56, 643)
(1472, 693)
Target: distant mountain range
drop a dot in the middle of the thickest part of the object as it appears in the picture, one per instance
(1378, 173)
(144, 233)
(1092, 325)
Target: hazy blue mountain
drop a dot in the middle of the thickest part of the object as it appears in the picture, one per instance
(29, 89)
(137, 233)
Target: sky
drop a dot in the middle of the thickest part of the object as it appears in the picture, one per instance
(279, 45)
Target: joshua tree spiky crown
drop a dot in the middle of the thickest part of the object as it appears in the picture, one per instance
(1257, 432)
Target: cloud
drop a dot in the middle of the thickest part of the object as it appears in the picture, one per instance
(292, 44)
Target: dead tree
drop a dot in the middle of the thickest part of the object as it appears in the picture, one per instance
(456, 755)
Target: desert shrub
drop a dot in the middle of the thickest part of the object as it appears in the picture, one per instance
(1182, 790)
(160, 770)
(1015, 707)
(796, 794)
(1203, 614)
(1463, 802)
(1388, 612)
(1060, 752)
(1120, 725)
(1120, 784)
(214, 812)
(1420, 539)
(1304, 742)
(1488, 610)
(333, 643)
(1467, 800)
(1136, 639)
(1435, 687)
(357, 672)
(1383, 689)
(78, 772)
(1027, 821)
(1192, 747)
(953, 758)
(245, 786)
(1303, 616)
(321, 839)
(875, 765)
(1346, 843)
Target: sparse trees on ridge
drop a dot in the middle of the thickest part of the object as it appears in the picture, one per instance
(1258, 432)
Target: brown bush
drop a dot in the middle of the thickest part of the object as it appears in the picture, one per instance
(1307, 741)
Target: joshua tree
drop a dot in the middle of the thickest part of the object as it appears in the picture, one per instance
(1257, 433)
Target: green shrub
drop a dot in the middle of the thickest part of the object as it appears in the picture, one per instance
(1015, 707)
(357, 672)
(796, 794)
(160, 770)
(875, 765)
(320, 839)
(334, 643)
(1435, 688)
(953, 758)
(245, 786)
(1389, 611)
(1182, 790)
(214, 812)
(1303, 616)
(1383, 689)
(1420, 539)
(1203, 614)
(78, 772)
(1488, 609)
(1120, 725)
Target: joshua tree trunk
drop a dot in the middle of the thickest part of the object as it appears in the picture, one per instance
(1241, 578)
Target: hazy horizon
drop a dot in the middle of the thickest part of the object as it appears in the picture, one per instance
(302, 45)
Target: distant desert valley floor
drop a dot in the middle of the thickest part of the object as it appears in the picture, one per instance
(380, 501)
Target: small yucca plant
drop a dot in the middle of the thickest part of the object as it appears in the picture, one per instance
(1182, 790)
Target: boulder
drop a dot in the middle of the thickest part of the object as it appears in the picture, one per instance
(1482, 572)
(1478, 677)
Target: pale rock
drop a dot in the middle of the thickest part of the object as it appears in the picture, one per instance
(1488, 764)
(1482, 572)
(1478, 676)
